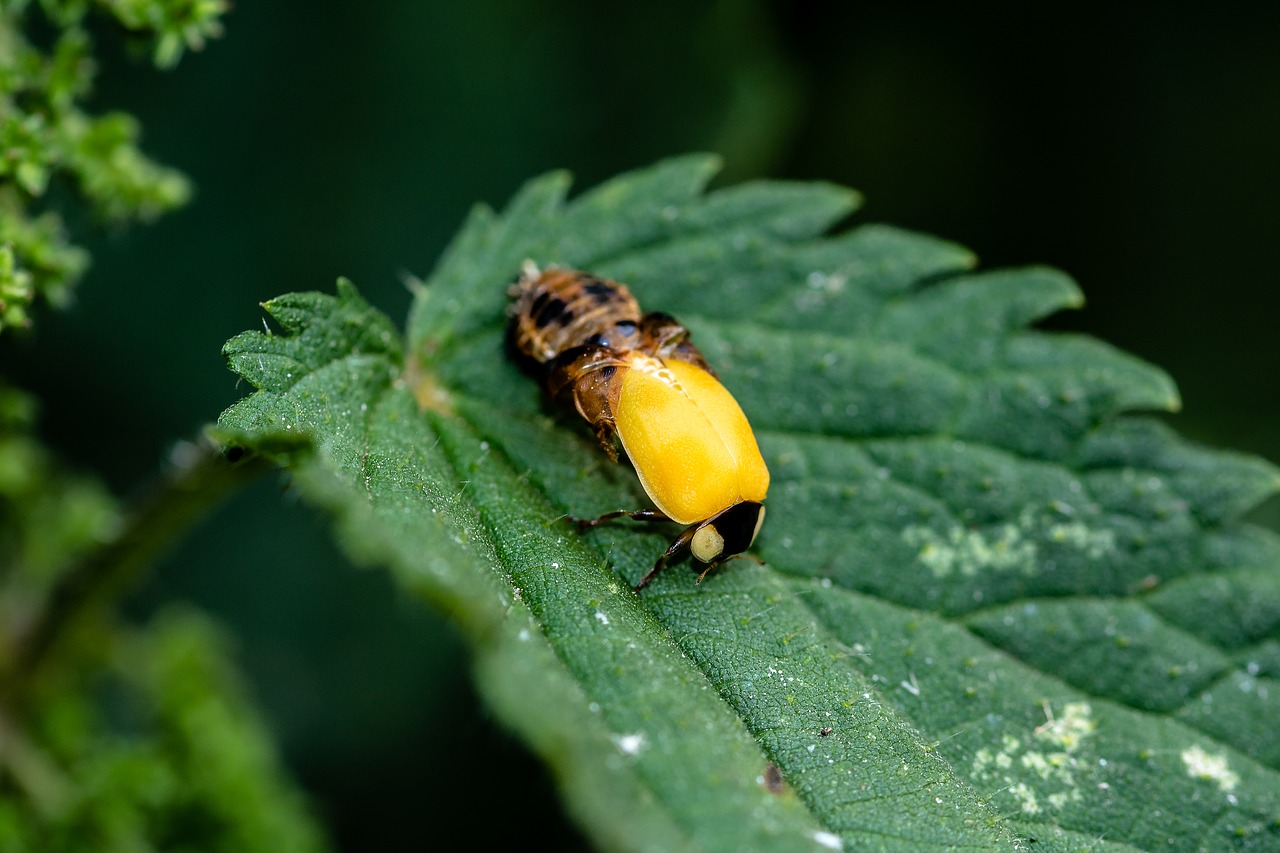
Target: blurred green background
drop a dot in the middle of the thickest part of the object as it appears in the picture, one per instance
(1137, 148)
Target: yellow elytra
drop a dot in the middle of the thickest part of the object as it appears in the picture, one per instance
(639, 378)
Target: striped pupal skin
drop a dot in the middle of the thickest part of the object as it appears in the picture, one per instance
(560, 309)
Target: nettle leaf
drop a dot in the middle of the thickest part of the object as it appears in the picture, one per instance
(995, 610)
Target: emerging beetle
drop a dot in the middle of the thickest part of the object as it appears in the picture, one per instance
(638, 377)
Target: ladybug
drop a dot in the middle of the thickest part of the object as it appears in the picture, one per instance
(637, 378)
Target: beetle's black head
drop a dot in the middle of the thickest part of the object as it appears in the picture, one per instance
(727, 533)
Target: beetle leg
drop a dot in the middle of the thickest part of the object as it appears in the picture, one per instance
(635, 515)
(676, 549)
(592, 373)
(573, 364)
(662, 329)
(604, 437)
(669, 339)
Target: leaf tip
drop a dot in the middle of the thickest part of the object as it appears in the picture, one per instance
(1074, 298)
(347, 289)
(1168, 397)
(706, 163)
(539, 195)
(413, 283)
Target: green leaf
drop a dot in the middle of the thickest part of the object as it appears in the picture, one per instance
(46, 72)
(173, 25)
(994, 607)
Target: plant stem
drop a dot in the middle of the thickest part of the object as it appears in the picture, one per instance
(201, 477)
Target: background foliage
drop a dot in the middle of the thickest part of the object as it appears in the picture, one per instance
(1136, 153)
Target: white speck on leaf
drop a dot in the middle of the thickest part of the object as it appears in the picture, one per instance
(828, 839)
(630, 744)
(961, 549)
(601, 618)
(1047, 758)
(1210, 768)
(1026, 796)
(1094, 543)
(1073, 726)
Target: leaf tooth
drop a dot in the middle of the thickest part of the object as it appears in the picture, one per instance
(953, 314)
(631, 210)
(264, 369)
(1219, 485)
(787, 210)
